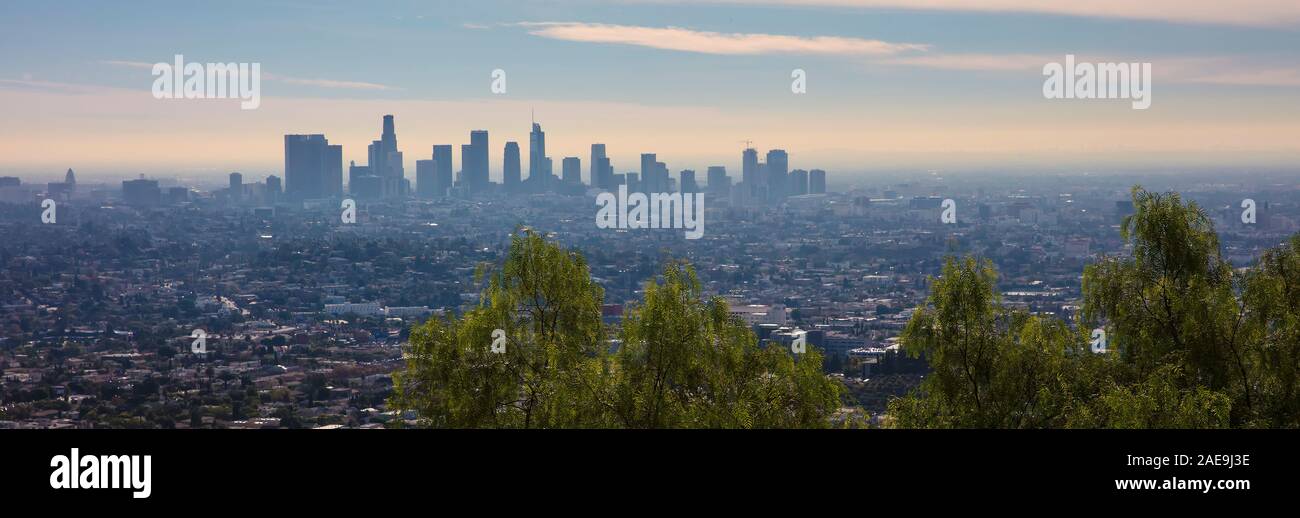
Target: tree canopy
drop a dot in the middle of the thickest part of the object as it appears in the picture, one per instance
(1193, 342)
(682, 361)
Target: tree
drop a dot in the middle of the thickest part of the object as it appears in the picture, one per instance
(683, 362)
(1172, 312)
(1272, 295)
(992, 368)
(686, 362)
(1193, 342)
(545, 301)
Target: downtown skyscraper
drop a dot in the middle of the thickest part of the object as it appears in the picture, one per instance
(601, 175)
(386, 162)
(443, 168)
(474, 162)
(778, 174)
(510, 168)
(312, 167)
(538, 164)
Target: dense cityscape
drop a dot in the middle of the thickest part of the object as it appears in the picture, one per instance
(302, 313)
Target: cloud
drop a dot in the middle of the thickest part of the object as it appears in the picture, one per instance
(322, 83)
(1212, 70)
(996, 62)
(329, 83)
(1274, 13)
(706, 42)
(1228, 71)
(27, 83)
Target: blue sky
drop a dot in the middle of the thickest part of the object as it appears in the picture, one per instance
(889, 87)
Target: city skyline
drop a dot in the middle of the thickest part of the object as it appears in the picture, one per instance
(889, 87)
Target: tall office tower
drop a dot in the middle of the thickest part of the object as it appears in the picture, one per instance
(334, 170)
(466, 173)
(69, 177)
(572, 170)
(312, 167)
(478, 139)
(778, 173)
(798, 182)
(607, 174)
(536, 150)
(510, 169)
(236, 188)
(719, 182)
(386, 161)
(442, 176)
(749, 168)
(425, 185)
(688, 182)
(649, 173)
(273, 188)
(597, 174)
(817, 181)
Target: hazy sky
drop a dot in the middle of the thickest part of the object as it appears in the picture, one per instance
(900, 84)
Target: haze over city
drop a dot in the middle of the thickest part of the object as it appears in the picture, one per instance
(889, 86)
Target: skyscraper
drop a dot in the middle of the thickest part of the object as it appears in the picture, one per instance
(817, 181)
(236, 188)
(510, 168)
(719, 182)
(474, 161)
(312, 167)
(572, 170)
(443, 168)
(386, 161)
(597, 174)
(778, 172)
(749, 167)
(798, 182)
(536, 151)
(273, 188)
(649, 173)
(688, 181)
(465, 178)
(333, 170)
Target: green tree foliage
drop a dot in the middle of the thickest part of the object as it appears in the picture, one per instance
(1272, 295)
(991, 367)
(1192, 342)
(683, 362)
(545, 301)
(690, 363)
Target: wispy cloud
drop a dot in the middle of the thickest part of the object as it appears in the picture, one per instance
(997, 62)
(707, 42)
(27, 83)
(329, 83)
(322, 83)
(1276, 13)
(1213, 70)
